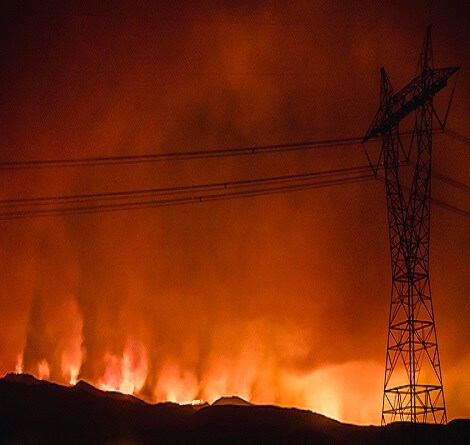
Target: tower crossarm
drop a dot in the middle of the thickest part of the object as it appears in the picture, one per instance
(409, 98)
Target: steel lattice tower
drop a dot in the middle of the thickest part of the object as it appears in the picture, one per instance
(413, 389)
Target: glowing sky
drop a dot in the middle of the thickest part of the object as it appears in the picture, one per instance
(280, 299)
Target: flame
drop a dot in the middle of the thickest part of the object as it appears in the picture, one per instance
(126, 374)
(72, 355)
(71, 361)
(73, 375)
(43, 370)
(197, 402)
(19, 364)
(176, 385)
(263, 299)
(251, 369)
(349, 391)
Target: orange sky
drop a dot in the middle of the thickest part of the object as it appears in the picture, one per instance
(280, 299)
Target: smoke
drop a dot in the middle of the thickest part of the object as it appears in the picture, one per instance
(279, 300)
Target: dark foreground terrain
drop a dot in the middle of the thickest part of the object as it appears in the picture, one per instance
(38, 412)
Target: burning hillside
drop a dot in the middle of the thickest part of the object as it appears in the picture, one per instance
(34, 411)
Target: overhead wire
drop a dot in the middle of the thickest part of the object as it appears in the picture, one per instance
(129, 200)
(190, 198)
(143, 193)
(29, 207)
(149, 192)
(176, 156)
(198, 154)
(438, 202)
(204, 197)
(184, 155)
(445, 179)
(457, 136)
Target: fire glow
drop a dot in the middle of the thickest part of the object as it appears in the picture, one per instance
(278, 300)
(250, 372)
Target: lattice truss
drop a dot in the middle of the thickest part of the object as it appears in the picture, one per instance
(413, 389)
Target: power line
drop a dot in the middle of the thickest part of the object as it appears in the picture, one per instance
(450, 207)
(150, 192)
(446, 179)
(177, 156)
(438, 202)
(194, 154)
(124, 200)
(145, 193)
(457, 136)
(130, 200)
(180, 200)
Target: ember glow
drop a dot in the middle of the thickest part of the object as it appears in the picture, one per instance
(278, 299)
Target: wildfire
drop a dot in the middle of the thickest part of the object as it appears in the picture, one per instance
(19, 364)
(73, 372)
(126, 374)
(43, 370)
(250, 370)
(197, 402)
(176, 385)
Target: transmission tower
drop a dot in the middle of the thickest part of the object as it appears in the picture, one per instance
(413, 389)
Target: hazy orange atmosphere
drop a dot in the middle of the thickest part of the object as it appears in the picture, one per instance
(280, 299)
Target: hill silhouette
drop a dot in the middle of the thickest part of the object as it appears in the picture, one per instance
(39, 412)
(232, 400)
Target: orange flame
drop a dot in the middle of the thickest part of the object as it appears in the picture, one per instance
(250, 369)
(19, 364)
(43, 370)
(126, 374)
